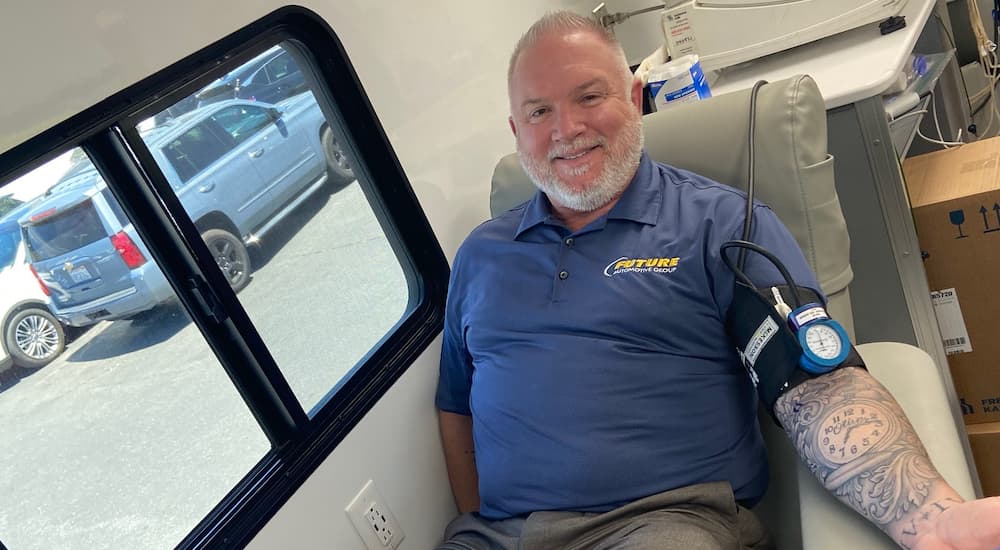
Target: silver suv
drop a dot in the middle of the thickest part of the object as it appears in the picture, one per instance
(88, 254)
(238, 167)
(30, 336)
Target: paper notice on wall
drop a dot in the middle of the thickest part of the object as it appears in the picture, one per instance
(679, 34)
(950, 321)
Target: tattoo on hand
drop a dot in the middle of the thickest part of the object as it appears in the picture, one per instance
(855, 438)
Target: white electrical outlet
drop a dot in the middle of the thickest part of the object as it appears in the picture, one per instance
(373, 520)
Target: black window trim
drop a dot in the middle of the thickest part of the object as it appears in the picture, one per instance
(107, 133)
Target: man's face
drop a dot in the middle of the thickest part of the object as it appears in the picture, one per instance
(576, 119)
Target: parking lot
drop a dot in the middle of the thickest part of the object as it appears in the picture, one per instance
(131, 436)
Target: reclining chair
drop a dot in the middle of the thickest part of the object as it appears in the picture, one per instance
(794, 175)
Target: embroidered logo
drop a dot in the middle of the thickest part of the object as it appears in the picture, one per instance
(641, 265)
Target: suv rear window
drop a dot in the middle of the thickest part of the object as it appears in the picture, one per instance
(64, 232)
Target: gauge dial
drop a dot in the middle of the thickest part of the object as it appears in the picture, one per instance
(823, 340)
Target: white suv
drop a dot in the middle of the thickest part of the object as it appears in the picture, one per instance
(30, 336)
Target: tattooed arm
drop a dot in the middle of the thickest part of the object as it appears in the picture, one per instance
(855, 438)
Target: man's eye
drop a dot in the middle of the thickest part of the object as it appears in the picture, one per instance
(591, 98)
(537, 113)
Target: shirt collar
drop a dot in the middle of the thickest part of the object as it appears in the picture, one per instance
(642, 198)
(640, 202)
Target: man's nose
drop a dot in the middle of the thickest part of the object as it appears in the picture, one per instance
(568, 124)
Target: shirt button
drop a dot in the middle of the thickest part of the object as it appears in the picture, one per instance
(569, 241)
(564, 275)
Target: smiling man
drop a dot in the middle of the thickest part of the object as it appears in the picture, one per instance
(580, 139)
(588, 393)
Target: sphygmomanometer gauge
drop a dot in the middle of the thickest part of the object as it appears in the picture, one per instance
(824, 342)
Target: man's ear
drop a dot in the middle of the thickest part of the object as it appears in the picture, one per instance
(637, 93)
(513, 128)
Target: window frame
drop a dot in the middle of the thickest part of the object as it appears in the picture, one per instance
(107, 132)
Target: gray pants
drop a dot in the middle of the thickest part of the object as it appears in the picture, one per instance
(699, 517)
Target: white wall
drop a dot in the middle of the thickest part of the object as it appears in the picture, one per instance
(435, 72)
(437, 79)
(639, 35)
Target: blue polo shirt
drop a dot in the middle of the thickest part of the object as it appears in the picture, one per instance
(595, 363)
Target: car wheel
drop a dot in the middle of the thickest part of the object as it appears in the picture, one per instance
(230, 255)
(338, 166)
(34, 338)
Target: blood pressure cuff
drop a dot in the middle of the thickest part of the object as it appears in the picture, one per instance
(767, 347)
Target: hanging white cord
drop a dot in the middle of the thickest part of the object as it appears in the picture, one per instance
(988, 59)
(945, 144)
(941, 142)
(937, 125)
(908, 115)
(994, 77)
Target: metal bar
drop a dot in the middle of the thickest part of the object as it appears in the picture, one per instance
(902, 234)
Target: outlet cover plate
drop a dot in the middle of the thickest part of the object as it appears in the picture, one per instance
(373, 520)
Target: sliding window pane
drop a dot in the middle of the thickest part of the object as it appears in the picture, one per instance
(269, 183)
(120, 428)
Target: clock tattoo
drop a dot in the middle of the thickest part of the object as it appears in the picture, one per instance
(848, 432)
(854, 437)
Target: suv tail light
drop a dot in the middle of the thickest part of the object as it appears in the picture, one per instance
(127, 249)
(41, 283)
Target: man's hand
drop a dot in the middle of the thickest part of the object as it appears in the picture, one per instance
(973, 525)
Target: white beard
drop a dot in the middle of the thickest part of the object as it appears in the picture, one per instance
(622, 160)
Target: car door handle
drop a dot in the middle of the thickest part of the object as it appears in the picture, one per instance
(256, 153)
(206, 188)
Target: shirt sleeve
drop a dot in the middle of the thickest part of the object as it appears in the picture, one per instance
(455, 374)
(771, 234)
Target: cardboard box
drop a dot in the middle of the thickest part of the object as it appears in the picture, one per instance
(955, 196)
(985, 441)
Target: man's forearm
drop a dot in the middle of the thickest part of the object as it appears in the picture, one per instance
(853, 435)
(460, 459)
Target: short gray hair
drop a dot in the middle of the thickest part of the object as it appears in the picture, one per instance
(564, 21)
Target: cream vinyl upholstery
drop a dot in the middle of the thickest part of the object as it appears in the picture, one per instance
(794, 176)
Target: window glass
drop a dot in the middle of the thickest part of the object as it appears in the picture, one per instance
(116, 209)
(280, 67)
(294, 233)
(58, 231)
(195, 149)
(8, 203)
(120, 427)
(242, 121)
(10, 239)
(256, 79)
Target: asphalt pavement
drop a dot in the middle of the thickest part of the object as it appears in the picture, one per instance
(130, 437)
